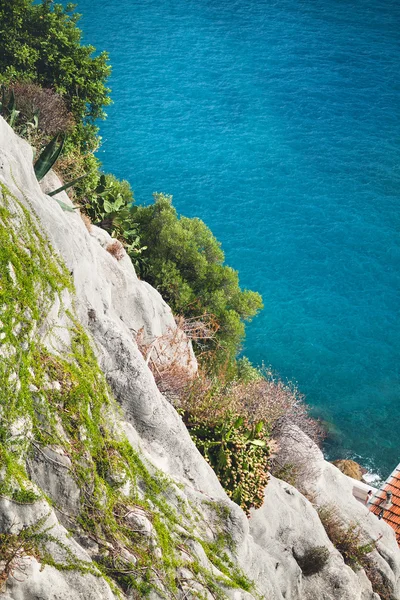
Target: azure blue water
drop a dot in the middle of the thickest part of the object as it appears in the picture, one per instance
(277, 123)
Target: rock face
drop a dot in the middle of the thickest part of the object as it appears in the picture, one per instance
(349, 468)
(201, 544)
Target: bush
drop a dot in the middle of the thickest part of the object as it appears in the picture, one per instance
(288, 472)
(111, 207)
(41, 44)
(238, 453)
(45, 104)
(313, 560)
(15, 551)
(380, 584)
(246, 372)
(348, 539)
(186, 264)
(235, 446)
(257, 397)
(356, 551)
(269, 399)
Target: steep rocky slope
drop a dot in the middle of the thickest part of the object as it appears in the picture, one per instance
(102, 492)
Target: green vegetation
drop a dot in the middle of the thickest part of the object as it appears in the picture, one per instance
(111, 207)
(56, 85)
(48, 157)
(54, 90)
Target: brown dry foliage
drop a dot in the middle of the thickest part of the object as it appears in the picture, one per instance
(53, 115)
(295, 460)
(164, 358)
(277, 403)
(380, 584)
(350, 540)
(268, 400)
(208, 398)
(86, 219)
(69, 167)
(199, 328)
(116, 250)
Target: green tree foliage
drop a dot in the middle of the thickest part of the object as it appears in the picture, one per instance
(41, 43)
(185, 263)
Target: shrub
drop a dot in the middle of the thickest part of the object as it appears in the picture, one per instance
(41, 47)
(15, 549)
(313, 560)
(73, 163)
(356, 551)
(380, 584)
(110, 206)
(288, 472)
(348, 539)
(238, 453)
(276, 402)
(246, 372)
(48, 106)
(186, 264)
(41, 44)
(258, 398)
(235, 446)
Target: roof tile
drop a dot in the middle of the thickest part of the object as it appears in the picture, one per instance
(391, 515)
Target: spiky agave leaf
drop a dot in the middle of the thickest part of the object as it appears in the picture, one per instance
(66, 186)
(48, 157)
(66, 206)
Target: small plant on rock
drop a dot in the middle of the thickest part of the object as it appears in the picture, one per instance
(347, 538)
(313, 560)
(15, 548)
(116, 250)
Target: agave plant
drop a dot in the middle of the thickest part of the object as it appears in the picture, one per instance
(49, 154)
(46, 161)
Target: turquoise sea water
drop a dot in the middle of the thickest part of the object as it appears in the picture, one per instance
(277, 123)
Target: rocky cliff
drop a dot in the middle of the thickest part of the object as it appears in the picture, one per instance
(102, 492)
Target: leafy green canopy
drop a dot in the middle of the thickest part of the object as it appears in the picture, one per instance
(185, 263)
(42, 43)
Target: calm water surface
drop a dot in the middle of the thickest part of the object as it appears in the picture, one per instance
(278, 124)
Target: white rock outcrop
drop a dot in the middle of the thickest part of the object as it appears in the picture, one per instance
(113, 305)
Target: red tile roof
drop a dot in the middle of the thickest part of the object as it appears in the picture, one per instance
(391, 515)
